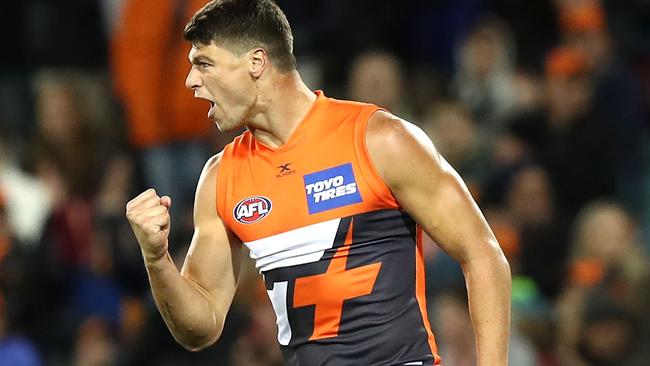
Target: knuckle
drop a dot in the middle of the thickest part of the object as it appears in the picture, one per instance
(130, 204)
(132, 216)
(151, 221)
(139, 219)
(152, 229)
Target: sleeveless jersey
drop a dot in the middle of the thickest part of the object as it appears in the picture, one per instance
(342, 262)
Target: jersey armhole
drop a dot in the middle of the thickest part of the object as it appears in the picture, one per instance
(222, 187)
(367, 167)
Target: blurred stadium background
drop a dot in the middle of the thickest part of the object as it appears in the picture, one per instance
(541, 105)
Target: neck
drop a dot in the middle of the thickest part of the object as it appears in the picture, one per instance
(283, 101)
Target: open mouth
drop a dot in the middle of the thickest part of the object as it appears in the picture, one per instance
(212, 109)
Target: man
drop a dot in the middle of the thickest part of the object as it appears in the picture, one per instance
(325, 194)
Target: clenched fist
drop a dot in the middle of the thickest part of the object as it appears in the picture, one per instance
(148, 215)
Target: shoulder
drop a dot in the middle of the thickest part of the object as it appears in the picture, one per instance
(392, 132)
(211, 167)
(206, 188)
(397, 146)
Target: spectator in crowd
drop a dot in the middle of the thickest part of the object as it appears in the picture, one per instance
(453, 130)
(68, 269)
(168, 128)
(530, 203)
(533, 24)
(376, 77)
(456, 343)
(617, 98)
(610, 334)
(578, 149)
(607, 266)
(27, 201)
(95, 344)
(484, 78)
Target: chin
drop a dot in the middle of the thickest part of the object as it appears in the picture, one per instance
(220, 126)
(225, 126)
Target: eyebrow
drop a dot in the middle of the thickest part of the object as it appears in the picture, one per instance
(199, 59)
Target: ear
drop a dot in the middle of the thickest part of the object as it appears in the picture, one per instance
(259, 61)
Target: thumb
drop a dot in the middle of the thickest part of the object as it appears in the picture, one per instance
(166, 201)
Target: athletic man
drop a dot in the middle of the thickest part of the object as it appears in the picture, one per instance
(326, 194)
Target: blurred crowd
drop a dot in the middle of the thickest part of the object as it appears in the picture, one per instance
(543, 107)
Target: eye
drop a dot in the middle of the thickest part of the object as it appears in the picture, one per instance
(202, 65)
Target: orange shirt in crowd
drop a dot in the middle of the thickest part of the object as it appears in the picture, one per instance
(149, 65)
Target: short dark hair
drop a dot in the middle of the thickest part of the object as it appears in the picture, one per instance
(240, 25)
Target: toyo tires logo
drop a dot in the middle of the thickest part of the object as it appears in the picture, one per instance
(331, 188)
(252, 209)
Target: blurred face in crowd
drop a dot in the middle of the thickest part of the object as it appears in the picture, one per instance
(607, 340)
(225, 80)
(376, 78)
(452, 318)
(530, 197)
(568, 98)
(58, 115)
(605, 232)
(453, 131)
(597, 45)
(484, 51)
(529, 91)
(94, 343)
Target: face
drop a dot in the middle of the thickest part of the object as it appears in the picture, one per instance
(58, 115)
(226, 80)
(376, 79)
(530, 197)
(608, 234)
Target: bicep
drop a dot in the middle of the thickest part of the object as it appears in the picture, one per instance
(213, 259)
(428, 188)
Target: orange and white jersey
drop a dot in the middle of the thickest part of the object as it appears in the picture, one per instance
(342, 262)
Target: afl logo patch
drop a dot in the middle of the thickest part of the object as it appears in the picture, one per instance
(252, 209)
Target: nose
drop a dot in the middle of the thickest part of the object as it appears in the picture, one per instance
(193, 81)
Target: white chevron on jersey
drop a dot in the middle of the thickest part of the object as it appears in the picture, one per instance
(278, 296)
(303, 245)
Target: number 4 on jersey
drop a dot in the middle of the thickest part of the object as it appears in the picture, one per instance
(328, 290)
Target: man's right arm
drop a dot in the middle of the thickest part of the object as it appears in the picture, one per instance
(193, 302)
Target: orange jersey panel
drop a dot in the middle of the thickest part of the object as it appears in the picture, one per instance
(316, 145)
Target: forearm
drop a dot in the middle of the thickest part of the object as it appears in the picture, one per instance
(185, 307)
(489, 292)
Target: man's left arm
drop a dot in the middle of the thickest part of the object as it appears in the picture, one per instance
(431, 191)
